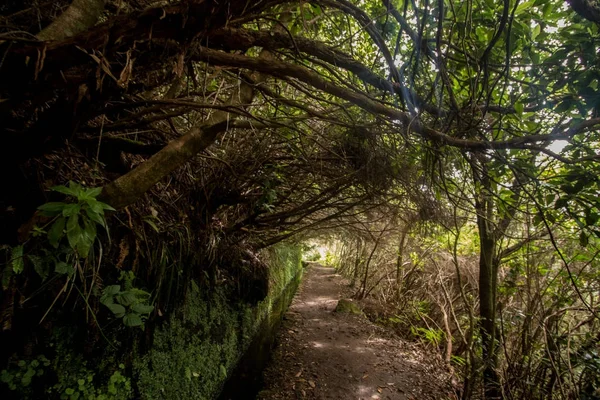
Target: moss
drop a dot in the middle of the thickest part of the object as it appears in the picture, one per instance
(348, 306)
(191, 355)
(195, 350)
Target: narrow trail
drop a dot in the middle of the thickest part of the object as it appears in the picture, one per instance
(324, 354)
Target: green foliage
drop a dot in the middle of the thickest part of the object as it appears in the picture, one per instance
(428, 335)
(19, 377)
(71, 235)
(330, 259)
(313, 256)
(17, 259)
(118, 387)
(310, 252)
(72, 384)
(130, 304)
(76, 219)
(458, 361)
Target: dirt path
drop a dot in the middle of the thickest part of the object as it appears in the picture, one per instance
(324, 354)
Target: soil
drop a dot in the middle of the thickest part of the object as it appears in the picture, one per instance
(323, 354)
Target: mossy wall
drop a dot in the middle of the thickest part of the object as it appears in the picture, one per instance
(188, 356)
(200, 345)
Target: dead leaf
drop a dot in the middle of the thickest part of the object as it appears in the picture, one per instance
(379, 390)
(124, 252)
(126, 72)
(39, 64)
(298, 374)
(312, 384)
(365, 376)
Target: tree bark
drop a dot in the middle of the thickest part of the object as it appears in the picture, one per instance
(128, 188)
(588, 9)
(78, 17)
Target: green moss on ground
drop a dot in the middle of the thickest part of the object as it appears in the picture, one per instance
(348, 306)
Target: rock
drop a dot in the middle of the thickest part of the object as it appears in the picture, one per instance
(348, 306)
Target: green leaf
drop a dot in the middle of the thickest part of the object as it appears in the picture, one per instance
(73, 231)
(223, 370)
(132, 319)
(39, 265)
(88, 236)
(75, 187)
(150, 222)
(107, 207)
(116, 309)
(535, 32)
(111, 290)
(71, 209)
(96, 217)
(83, 246)
(126, 298)
(96, 206)
(61, 267)
(519, 108)
(52, 209)
(524, 6)
(64, 190)
(18, 265)
(56, 232)
(139, 293)
(108, 294)
(142, 308)
(89, 230)
(94, 192)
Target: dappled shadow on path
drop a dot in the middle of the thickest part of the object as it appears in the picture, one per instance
(324, 354)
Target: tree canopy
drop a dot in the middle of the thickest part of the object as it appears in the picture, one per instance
(240, 124)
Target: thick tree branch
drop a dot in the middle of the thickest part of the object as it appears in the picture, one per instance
(242, 39)
(78, 17)
(281, 69)
(130, 187)
(588, 9)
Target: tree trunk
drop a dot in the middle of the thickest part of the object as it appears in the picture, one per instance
(588, 9)
(484, 206)
(400, 262)
(79, 16)
(487, 312)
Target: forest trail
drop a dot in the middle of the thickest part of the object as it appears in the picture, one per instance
(323, 354)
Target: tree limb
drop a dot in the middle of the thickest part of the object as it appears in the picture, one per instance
(78, 17)
(588, 9)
